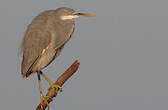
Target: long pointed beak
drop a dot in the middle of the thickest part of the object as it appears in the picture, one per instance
(84, 15)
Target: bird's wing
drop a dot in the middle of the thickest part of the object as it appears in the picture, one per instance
(61, 37)
(33, 44)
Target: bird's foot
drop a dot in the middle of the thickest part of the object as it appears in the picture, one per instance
(56, 87)
(44, 100)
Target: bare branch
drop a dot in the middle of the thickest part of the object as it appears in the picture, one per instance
(60, 81)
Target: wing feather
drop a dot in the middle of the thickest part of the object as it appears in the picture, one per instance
(33, 44)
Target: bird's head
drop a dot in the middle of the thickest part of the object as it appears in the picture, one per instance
(69, 14)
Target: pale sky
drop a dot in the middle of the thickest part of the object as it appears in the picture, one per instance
(123, 54)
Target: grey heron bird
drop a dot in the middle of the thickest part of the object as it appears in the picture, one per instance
(43, 41)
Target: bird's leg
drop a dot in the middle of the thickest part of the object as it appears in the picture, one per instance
(52, 85)
(42, 97)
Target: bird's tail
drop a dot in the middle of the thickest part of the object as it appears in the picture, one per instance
(28, 74)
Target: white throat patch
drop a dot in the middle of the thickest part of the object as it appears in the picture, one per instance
(69, 17)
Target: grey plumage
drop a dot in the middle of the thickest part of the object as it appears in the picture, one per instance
(44, 39)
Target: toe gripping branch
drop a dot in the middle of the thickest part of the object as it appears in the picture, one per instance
(59, 82)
